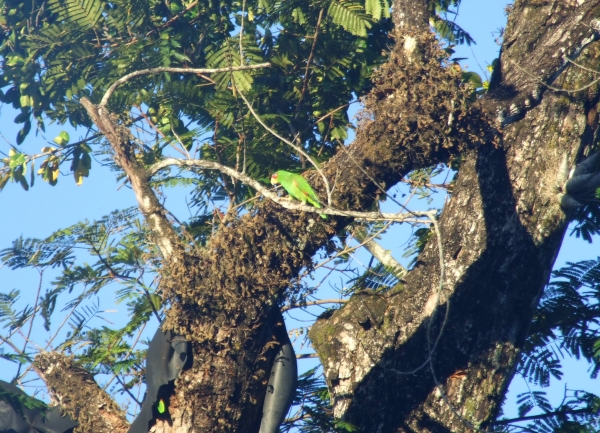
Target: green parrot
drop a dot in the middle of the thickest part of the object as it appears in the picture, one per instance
(161, 406)
(297, 187)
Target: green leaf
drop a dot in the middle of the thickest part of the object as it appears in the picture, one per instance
(14, 59)
(378, 9)
(22, 134)
(25, 101)
(16, 160)
(84, 13)
(472, 78)
(62, 139)
(298, 16)
(22, 117)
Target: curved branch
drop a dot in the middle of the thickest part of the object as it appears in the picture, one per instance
(327, 210)
(128, 77)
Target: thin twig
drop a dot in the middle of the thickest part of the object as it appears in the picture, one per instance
(381, 188)
(347, 250)
(35, 306)
(152, 71)
(308, 62)
(292, 145)
(181, 143)
(180, 14)
(242, 33)
(582, 67)
(546, 415)
(308, 304)
(556, 89)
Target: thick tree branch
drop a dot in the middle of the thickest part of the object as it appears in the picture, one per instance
(121, 141)
(497, 262)
(411, 15)
(531, 61)
(80, 396)
(502, 229)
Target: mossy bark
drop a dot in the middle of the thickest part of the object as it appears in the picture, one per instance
(440, 361)
(79, 395)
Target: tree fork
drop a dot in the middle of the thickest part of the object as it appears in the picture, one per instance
(222, 297)
(376, 349)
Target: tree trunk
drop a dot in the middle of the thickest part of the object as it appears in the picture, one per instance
(500, 233)
(431, 359)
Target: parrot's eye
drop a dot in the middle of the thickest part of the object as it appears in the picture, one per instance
(274, 176)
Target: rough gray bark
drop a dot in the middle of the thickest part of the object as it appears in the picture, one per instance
(497, 259)
(410, 14)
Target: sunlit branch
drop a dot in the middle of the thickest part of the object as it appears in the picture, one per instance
(283, 202)
(152, 71)
(384, 256)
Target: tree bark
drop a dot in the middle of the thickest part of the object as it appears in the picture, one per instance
(80, 396)
(423, 359)
(224, 298)
(411, 15)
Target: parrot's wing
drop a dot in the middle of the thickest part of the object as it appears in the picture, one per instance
(292, 189)
(306, 190)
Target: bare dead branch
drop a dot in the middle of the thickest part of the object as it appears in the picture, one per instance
(152, 71)
(384, 256)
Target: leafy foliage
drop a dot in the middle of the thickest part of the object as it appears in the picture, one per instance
(56, 52)
(566, 323)
(446, 28)
(378, 278)
(588, 221)
(314, 414)
(115, 242)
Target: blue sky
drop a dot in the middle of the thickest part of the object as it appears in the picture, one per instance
(43, 209)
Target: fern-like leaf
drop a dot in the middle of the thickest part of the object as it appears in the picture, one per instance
(83, 13)
(350, 15)
(378, 9)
